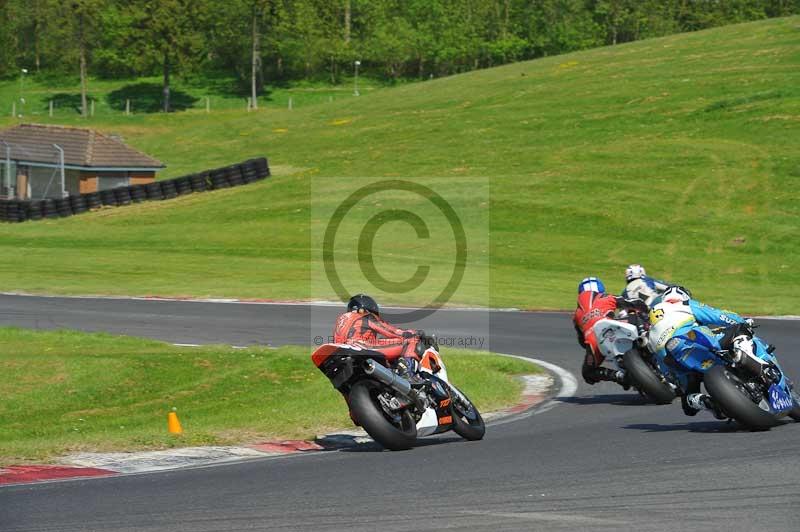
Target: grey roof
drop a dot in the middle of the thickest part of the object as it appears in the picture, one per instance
(82, 147)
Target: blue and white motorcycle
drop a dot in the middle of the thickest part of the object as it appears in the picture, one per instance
(749, 385)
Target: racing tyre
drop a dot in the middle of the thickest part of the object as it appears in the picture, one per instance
(396, 432)
(646, 379)
(467, 421)
(730, 393)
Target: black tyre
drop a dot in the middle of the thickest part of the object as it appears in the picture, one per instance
(78, 204)
(49, 208)
(153, 191)
(183, 185)
(138, 193)
(262, 167)
(234, 175)
(218, 179)
(168, 188)
(123, 195)
(36, 210)
(646, 379)
(249, 174)
(13, 211)
(467, 421)
(395, 432)
(93, 200)
(63, 207)
(731, 395)
(107, 197)
(199, 182)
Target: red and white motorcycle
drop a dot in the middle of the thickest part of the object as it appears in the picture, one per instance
(392, 409)
(621, 342)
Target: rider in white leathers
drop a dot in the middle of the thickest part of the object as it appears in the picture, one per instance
(641, 286)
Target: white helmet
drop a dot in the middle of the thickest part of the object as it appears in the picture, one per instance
(676, 294)
(634, 271)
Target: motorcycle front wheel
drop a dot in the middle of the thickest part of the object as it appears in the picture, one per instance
(396, 431)
(467, 421)
(732, 395)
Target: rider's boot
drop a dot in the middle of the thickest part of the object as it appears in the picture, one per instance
(695, 402)
(617, 376)
(621, 378)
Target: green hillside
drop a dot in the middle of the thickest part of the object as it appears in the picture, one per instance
(682, 153)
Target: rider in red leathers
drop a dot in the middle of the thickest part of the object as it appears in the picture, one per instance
(593, 305)
(362, 325)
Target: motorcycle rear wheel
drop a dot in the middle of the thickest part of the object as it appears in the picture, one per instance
(397, 432)
(646, 379)
(729, 392)
(467, 421)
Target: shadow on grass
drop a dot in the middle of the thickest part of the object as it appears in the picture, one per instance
(65, 100)
(147, 98)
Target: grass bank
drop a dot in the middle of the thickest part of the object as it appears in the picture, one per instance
(681, 153)
(68, 391)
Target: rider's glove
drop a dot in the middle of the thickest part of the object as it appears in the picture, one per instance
(749, 322)
(409, 334)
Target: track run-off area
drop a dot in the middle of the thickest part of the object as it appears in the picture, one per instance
(600, 459)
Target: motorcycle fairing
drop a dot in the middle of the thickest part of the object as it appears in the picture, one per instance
(614, 338)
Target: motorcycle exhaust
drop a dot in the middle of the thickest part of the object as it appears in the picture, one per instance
(387, 377)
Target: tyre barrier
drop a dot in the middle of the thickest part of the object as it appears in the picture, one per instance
(183, 185)
(78, 204)
(36, 210)
(234, 175)
(11, 212)
(218, 179)
(262, 167)
(229, 176)
(123, 195)
(199, 182)
(107, 197)
(138, 193)
(168, 189)
(93, 200)
(49, 208)
(63, 207)
(249, 172)
(153, 191)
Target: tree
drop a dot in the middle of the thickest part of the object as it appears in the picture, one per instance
(84, 12)
(168, 33)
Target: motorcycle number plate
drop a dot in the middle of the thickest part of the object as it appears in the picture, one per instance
(779, 399)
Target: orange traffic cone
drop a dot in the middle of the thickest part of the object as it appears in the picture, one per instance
(173, 425)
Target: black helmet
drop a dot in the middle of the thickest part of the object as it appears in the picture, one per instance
(363, 301)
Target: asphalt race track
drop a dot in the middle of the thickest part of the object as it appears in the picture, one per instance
(602, 460)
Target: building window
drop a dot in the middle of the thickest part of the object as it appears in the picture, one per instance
(43, 183)
(108, 181)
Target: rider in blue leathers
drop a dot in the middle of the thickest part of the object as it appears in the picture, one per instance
(685, 346)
